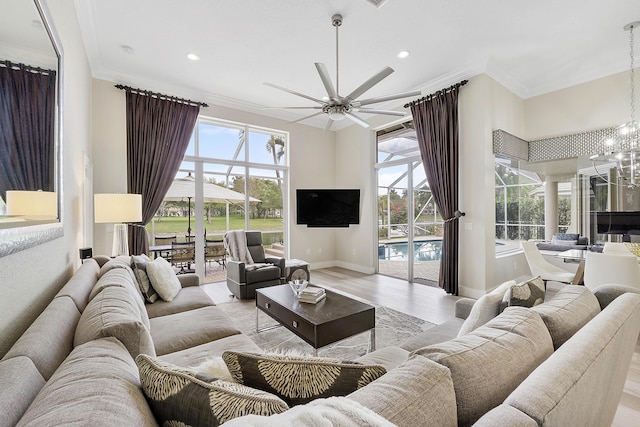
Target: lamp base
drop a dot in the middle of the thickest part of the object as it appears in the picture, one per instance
(120, 240)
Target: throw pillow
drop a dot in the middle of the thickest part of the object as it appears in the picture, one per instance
(634, 248)
(163, 279)
(298, 380)
(525, 294)
(179, 396)
(139, 265)
(486, 308)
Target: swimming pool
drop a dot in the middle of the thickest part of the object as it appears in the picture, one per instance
(423, 250)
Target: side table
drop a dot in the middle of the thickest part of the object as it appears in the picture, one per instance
(296, 269)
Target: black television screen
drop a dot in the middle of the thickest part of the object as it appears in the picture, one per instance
(328, 208)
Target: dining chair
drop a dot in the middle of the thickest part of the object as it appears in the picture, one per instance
(611, 268)
(543, 268)
(183, 255)
(616, 248)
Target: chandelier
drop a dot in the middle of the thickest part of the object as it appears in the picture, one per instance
(622, 149)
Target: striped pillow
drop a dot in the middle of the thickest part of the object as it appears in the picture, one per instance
(179, 396)
(298, 380)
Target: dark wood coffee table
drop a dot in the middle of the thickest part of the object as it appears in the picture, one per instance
(333, 319)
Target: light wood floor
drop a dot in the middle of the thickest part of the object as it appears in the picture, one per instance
(433, 305)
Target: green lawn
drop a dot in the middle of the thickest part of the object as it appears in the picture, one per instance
(218, 225)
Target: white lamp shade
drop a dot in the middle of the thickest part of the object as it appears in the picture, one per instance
(33, 204)
(117, 208)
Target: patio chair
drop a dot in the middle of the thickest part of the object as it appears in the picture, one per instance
(242, 278)
(165, 240)
(214, 251)
(183, 255)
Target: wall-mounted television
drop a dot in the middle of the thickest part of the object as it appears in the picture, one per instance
(328, 208)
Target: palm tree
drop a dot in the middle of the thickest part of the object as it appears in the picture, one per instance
(277, 154)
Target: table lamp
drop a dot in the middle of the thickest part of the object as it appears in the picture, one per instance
(32, 204)
(118, 209)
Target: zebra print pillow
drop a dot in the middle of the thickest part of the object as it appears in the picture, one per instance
(298, 380)
(179, 396)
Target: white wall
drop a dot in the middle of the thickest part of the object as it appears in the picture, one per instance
(29, 279)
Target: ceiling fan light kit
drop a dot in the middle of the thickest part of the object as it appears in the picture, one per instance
(338, 107)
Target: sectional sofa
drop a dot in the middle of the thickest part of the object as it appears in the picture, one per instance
(559, 363)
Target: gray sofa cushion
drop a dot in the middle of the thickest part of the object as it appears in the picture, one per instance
(568, 311)
(394, 395)
(139, 266)
(488, 363)
(561, 391)
(21, 382)
(191, 328)
(197, 355)
(188, 298)
(49, 339)
(97, 384)
(112, 313)
(440, 333)
(80, 284)
(390, 357)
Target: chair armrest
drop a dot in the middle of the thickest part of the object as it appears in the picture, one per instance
(189, 279)
(463, 307)
(276, 261)
(235, 271)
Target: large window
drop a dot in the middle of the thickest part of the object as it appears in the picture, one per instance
(250, 163)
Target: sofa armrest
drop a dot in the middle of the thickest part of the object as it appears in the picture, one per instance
(463, 307)
(276, 261)
(189, 279)
(235, 271)
(607, 293)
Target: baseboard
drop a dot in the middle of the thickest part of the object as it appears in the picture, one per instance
(348, 266)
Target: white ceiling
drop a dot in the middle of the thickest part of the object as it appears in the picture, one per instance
(531, 47)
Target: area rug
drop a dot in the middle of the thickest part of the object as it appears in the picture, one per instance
(392, 328)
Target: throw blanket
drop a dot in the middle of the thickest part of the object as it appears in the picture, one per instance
(236, 243)
(334, 411)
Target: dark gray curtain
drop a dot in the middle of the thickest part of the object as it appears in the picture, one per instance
(158, 133)
(436, 123)
(27, 116)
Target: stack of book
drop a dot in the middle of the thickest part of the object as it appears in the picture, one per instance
(312, 295)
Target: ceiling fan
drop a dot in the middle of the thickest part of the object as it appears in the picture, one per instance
(337, 107)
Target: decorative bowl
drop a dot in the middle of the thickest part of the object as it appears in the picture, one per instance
(298, 286)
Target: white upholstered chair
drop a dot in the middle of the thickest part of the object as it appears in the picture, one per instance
(611, 268)
(616, 248)
(543, 268)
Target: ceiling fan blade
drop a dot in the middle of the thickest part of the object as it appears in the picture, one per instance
(307, 117)
(326, 81)
(370, 83)
(357, 120)
(291, 108)
(389, 97)
(387, 112)
(293, 92)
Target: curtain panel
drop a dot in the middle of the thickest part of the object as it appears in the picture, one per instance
(27, 126)
(158, 133)
(436, 122)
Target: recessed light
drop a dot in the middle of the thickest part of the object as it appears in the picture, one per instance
(403, 54)
(193, 57)
(127, 49)
(37, 24)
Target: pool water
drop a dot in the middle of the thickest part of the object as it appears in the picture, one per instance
(423, 250)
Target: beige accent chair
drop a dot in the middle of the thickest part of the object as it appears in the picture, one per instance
(543, 268)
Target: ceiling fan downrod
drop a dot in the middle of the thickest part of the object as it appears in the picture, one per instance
(336, 21)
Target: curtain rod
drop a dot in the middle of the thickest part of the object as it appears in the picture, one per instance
(25, 67)
(160, 95)
(438, 93)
